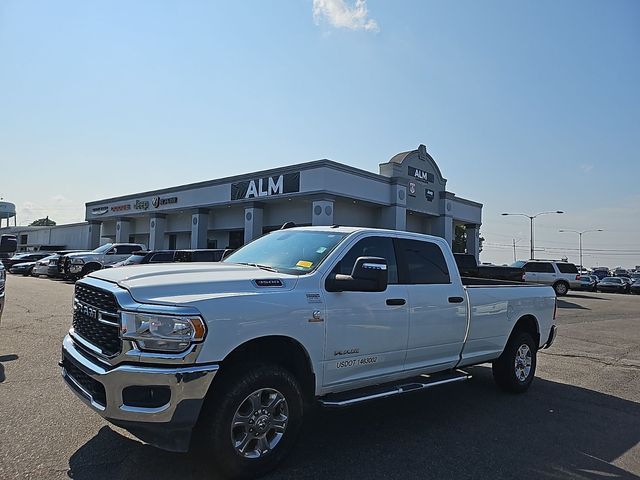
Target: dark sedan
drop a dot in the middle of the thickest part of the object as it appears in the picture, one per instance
(614, 285)
(588, 283)
(635, 287)
(24, 268)
(171, 256)
(24, 257)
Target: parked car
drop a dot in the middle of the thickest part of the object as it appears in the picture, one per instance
(236, 349)
(169, 256)
(41, 267)
(614, 285)
(622, 273)
(77, 265)
(24, 268)
(562, 276)
(54, 269)
(601, 272)
(3, 280)
(635, 277)
(589, 283)
(635, 287)
(468, 267)
(23, 257)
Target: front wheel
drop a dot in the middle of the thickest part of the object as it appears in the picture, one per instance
(251, 421)
(514, 370)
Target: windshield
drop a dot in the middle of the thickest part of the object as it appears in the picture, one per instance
(289, 251)
(612, 280)
(103, 248)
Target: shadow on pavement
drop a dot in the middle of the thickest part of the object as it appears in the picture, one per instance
(565, 304)
(5, 358)
(588, 297)
(470, 430)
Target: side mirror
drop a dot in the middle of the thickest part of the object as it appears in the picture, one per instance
(369, 274)
(8, 243)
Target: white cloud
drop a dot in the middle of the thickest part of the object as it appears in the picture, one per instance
(586, 168)
(339, 14)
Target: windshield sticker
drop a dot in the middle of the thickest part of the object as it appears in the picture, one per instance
(304, 264)
(321, 250)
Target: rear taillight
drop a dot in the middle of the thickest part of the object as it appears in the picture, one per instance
(577, 277)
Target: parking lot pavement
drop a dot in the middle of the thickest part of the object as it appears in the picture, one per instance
(580, 419)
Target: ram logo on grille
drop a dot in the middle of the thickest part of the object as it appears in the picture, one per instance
(88, 311)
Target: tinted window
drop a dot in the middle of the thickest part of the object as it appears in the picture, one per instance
(127, 249)
(421, 262)
(161, 257)
(206, 256)
(567, 268)
(539, 267)
(370, 247)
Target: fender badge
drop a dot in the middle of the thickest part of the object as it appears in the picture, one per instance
(316, 317)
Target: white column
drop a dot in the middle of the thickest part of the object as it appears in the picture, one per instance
(123, 228)
(444, 228)
(473, 240)
(157, 225)
(395, 215)
(322, 212)
(199, 227)
(252, 223)
(93, 240)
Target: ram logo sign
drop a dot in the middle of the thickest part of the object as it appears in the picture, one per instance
(266, 187)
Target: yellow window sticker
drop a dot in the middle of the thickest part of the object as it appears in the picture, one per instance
(304, 264)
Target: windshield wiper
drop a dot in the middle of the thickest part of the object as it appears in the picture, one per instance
(257, 265)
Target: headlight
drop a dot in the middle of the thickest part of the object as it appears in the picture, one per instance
(77, 261)
(164, 333)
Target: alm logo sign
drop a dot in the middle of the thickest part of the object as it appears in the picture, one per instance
(421, 175)
(266, 187)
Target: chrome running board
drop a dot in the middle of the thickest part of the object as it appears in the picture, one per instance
(421, 382)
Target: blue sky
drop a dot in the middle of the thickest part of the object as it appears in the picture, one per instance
(526, 107)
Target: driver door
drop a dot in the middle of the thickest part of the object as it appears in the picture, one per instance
(366, 332)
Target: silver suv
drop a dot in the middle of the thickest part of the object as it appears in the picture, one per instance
(79, 264)
(562, 276)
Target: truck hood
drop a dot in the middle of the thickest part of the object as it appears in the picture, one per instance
(185, 283)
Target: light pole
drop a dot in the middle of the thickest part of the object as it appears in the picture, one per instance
(580, 233)
(531, 218)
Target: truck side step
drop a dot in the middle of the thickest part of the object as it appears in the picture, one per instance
(407, 385)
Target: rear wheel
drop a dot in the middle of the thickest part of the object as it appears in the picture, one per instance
(251, 421)
(514, 370)
(561, 288)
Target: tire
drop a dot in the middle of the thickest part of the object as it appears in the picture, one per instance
(510, 369)
(87, 269)
(265, 396)
(561, 288)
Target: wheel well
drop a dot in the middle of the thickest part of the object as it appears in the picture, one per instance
(528, 324)
(93, 264)
(561, 281)
(284, 351)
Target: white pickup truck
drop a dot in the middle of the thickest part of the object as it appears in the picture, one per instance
(235, 352)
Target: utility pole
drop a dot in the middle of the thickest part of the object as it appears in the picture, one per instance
(580, 233)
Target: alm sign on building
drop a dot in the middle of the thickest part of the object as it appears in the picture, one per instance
(266, 187)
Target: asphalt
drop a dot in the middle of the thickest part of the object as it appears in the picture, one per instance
(579, 420)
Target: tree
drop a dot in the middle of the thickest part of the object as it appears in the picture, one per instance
(43, 222)
(460, 240)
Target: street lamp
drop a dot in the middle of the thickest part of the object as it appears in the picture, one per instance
(580, 234)
(531, 218)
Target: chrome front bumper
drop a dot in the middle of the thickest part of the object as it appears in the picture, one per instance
(167, 426)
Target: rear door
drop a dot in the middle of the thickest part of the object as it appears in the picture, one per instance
(438, 305)
(366, 332)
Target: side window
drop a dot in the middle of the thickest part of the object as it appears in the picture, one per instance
(161, 257)
(370, 247)
(567, 268)
(204, 256)
(531, 267)
(421, 262)
(547, 268)
(128, 249)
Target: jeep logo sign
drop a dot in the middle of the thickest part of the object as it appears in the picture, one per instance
(266, 187)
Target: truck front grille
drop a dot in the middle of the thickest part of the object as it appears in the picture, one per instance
(98, 323)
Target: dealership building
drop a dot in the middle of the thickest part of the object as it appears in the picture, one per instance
(408, 193)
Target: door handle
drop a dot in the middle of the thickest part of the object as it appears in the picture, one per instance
(456, 299)
(396, 301)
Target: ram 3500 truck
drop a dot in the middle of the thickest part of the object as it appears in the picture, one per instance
(235, 352)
